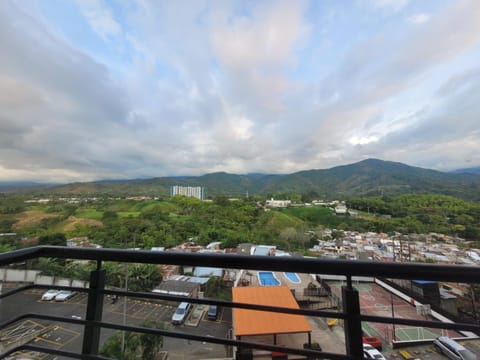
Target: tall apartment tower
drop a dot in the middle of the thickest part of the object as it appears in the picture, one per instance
(190, 191)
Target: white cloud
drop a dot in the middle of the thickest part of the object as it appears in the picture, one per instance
(419, 18)
(363, 140)
(394, 5)
(100, 17)
(256, 50)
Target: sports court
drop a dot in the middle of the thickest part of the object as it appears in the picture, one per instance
(376, 301)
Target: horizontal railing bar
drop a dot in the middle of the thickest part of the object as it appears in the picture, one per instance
(424, 323)
(16, 290)
(20, 255)
(453, 326)
(316, 313)
(13, 320)
(154, 296)
(199, 338)
(348, 268)
(413, 271)
(230, 304)
(64, 353)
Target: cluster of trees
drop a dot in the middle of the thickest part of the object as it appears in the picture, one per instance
(131, 224)
(215, 288)
(425, 213)
(230, 222)
(135, 345)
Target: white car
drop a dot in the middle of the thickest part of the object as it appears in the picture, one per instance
(64, 295)
(181, 313)
(370, 352)
(50, 295)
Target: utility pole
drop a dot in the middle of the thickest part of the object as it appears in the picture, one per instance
(125, 299)
(401, 250)
(393, 317)
(125, 308)
(474, 308)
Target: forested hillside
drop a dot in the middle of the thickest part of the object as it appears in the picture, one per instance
(146, 224)
(366, 178)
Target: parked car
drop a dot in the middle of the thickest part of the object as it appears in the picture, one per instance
(180, 315)
(50, 295)
(212, 312)
(373, 341)
(64, 295)
(370, 352)
(453, 350)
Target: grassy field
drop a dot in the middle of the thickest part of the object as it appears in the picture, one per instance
(124, 214)
(31, 218)
(72, 223)
(91, 214)
(281, 220)
(314, 214)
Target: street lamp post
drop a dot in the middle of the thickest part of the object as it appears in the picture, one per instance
(393, 317)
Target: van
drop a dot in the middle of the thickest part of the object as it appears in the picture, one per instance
(181, 313)
(453, 350)
(212, 312)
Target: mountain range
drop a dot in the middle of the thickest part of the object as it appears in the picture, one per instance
(472, 170)
(365, 178)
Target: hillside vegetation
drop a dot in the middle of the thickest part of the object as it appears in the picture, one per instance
(366, 178)
(146, 224)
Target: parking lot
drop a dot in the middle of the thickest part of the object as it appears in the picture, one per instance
(69, 336)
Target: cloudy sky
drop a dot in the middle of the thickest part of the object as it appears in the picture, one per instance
(96, 89)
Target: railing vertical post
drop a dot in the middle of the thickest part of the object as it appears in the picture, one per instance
(353, 325)
(91, 334)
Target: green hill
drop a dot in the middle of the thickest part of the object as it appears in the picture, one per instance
(365, 178)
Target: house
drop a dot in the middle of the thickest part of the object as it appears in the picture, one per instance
(278, 203)
(179, 288)
(341, 210)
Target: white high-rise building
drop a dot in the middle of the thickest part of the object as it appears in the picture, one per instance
(190, 191)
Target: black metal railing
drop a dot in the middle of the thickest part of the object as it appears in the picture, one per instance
(350, 314)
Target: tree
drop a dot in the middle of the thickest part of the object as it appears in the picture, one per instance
(109, 216)
(55, 239)
(143, 277)
(151, 344)
(215, 288)
(137, 345)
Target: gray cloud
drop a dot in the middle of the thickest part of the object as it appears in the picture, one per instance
(207, 87)
(55, 97)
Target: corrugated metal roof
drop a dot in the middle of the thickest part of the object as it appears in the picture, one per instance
(207, 271)
(254, 322)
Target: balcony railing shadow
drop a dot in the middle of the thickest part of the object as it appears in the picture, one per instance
(350, 314)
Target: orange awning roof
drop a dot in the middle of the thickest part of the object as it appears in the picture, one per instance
(254, 322)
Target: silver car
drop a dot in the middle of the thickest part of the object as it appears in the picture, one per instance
(453, 350)
(50, 295)
(64, 295)
(181, 313)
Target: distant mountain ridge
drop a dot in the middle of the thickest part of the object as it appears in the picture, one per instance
(18, 185)
(365, 178)
(471, 170)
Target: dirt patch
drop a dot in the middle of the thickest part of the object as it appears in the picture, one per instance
(31, 217)
(72, 221)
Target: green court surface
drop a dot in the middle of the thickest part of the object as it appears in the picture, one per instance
(415, 333)
(362, 286)
(370, 330)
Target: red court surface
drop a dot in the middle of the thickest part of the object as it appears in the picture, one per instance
(376, 301)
